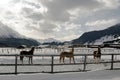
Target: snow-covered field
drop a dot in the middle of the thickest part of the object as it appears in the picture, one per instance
(94, 75)
(94, 71)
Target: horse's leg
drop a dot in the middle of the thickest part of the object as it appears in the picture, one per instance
(94, 54)
(31, 60)
(21, 59)
(95, 60)
(73, 59)
(60, 59)
(94, 57)
(63, 59)
(98, 59)
(70, 59)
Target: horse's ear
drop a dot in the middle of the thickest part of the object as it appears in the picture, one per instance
(33, 47)
(72, 48)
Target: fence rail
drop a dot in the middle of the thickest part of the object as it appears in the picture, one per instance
(52, 62)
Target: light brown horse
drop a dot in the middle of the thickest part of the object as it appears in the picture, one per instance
(97, 55)
(68, 55)
(28, 54)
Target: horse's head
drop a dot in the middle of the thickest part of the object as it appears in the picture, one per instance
(99, 49)
(33, 47)
(72, 50)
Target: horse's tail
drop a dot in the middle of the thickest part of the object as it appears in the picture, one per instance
(94, 54)
(21, 57)
(61, 56)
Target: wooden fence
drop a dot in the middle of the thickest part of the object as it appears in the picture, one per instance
(52, 62)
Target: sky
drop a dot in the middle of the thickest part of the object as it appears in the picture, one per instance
(59, 19)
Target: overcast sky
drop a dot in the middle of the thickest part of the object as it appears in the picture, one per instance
(59, 19)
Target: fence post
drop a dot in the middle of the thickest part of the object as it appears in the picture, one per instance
(16, 64)
(85, 62)
(112, 60)
(52, 63)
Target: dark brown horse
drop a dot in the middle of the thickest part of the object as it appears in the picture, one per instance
(97, 55)
(27, 54)
(68, 55)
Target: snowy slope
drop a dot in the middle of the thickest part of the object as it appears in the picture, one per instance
(49, 40)
(11, 38)
(6, 32)
(103, 39)
(100, 36)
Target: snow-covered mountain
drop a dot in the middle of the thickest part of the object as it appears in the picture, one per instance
(11, 38)
(98, 37)
(6, 32)
(49, 40)
(103, 39)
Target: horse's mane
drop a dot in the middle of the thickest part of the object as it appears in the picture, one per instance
(31, 51)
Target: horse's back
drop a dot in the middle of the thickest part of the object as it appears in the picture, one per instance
(66, 54)
(23, 53)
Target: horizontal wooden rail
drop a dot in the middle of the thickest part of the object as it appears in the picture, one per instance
(52, 64)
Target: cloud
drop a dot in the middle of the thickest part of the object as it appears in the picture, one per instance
(61, 19)
(61, 10)
(101, 24)
(111, 4)
(32, 3)
(5, 31)
(35, 16)
(47, 27)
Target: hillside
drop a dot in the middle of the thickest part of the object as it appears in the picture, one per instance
(98, 36)
(6, 32)
(11, 38)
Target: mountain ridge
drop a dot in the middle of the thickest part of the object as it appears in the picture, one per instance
(11, 38)
(49, 40)
(6, 32)
(92, 36)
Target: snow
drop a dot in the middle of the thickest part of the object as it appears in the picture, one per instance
(49, 40)
(94, 75)
(104, 39)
